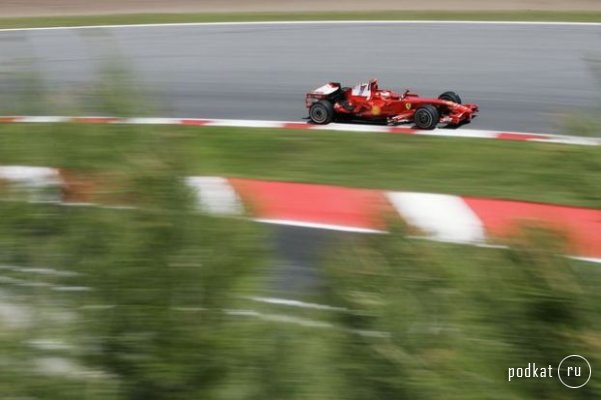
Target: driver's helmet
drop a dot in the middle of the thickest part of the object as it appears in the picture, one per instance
(373, 83)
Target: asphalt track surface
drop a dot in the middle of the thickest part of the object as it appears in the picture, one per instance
(525, 77)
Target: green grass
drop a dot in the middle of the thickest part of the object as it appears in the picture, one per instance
(528, 171)
(120, 19)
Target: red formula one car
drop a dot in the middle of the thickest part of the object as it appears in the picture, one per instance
(366, 101)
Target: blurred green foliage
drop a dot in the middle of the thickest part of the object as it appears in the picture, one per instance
(144, 290)
(457, 318)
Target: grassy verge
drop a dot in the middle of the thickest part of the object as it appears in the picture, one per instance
(528, 171)
(122, 19)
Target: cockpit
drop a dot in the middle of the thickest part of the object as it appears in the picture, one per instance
(366, 89)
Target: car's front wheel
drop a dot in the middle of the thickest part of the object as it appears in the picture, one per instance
(426, 117)
(321, 112)
(450, 96)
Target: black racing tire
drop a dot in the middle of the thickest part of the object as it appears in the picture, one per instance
(322, 112)
(426, 117)
(450, 96)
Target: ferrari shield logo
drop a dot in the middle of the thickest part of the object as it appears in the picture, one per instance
(375, 110)
(408, 106)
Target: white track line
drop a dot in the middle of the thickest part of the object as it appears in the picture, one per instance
(464, 133)
(351, 128)
(292, 125)
(586, 259)
(296, 303)
(150, 121)
(316, 225)
(39, 271)
(44, 119)
(311, 323)
(326, 22)
(241, 123)
(280, 318)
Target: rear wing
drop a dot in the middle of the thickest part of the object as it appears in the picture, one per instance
(327, 91)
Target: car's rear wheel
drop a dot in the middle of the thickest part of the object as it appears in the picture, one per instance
(450, 96)
(426, 117)
(321, 112)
